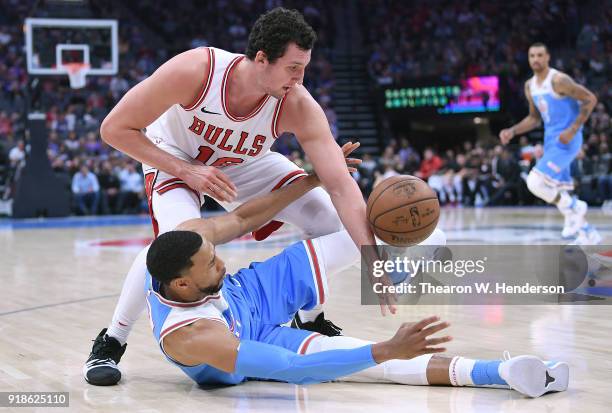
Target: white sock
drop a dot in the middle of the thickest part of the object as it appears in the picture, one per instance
(310, 315)
(132, 300)
(460, 371)
(477, 373)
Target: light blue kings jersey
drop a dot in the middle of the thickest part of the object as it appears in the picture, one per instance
(166, 316)
(557, 112)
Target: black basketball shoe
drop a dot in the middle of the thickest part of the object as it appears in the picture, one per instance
(320, 325)
(101, 366)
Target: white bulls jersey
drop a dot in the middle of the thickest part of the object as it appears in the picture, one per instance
(206, 130)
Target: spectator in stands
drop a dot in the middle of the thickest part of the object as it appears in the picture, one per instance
(6, 124)
(389, 159)
(406, 152)
(430, 164)
(600, 120)
(110, 187)
(387, 172)
(603, 172)
(17, 155)
(92, 145)
(72, 143)
(86, 190)
(447, 179)
(368, 165)
(132, 190)
(508, 186)
(473, 190)
(581, 171)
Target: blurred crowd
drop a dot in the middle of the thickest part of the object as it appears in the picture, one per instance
(100, 179)
(404, 40)
(453, 39)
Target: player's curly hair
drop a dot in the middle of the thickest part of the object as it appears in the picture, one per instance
(170, 254)
(274, 30)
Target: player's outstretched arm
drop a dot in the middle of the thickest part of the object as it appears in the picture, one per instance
(250, 215)
(565, 86)
(530, 122)
(175, 82)
(210, 342)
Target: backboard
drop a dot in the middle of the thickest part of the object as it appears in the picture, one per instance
(61, 46)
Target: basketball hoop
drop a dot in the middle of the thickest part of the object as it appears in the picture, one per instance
(76, 73)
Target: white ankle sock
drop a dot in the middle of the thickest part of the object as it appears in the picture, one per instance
(460, 371)
(119, 332)
(310, 315)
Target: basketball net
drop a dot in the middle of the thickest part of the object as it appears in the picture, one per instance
(76, 73)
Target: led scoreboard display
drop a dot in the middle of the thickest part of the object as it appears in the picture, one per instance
(476, 94)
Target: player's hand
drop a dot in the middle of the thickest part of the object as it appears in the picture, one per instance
(347, 149)
(209, 180)
(506, 135)
(567, 135)
(386, 300)
(413, 340)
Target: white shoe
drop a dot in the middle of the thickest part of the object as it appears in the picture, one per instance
(532, 377)
(574, 219)
(587, 235)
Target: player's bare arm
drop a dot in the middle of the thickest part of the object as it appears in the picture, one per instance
(175, 82)
(250, 215)
(564, 85)
(530, 122)
(259, 210)
(303, 116)
(210, 342)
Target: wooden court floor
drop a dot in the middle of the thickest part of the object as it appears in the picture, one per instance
(60, 286)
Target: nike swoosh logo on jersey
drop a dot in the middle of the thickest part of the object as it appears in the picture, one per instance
(207, 111)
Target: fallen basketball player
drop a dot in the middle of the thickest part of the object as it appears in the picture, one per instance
(225, 329)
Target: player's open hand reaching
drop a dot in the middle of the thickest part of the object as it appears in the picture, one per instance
(347, 149)
(412, 340)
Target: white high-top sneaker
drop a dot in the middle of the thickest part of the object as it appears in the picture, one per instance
(587, 235)
(574, 218)
(533, 377)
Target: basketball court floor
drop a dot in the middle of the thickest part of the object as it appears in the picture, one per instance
(61, 280)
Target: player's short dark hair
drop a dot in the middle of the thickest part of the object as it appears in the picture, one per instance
(274, 30)
(170, 254)
(539, 44)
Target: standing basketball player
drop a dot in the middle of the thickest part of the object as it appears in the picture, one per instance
(208, 110)
(563, 106)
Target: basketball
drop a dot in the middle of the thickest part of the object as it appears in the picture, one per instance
(403, 210)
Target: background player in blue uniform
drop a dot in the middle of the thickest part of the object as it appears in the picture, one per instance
(225, 329)
(563, 106)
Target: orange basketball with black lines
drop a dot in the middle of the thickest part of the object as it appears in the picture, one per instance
(403, 210)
